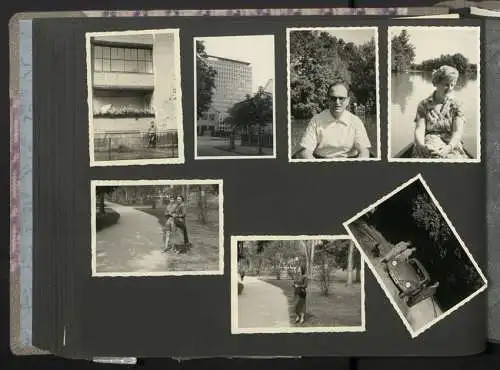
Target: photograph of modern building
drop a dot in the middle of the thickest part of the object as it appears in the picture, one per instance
(134, 97)
(234, 101)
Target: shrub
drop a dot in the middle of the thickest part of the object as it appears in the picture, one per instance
(107, 219)
(111, 111)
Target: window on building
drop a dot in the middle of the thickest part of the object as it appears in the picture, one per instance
(122, 59)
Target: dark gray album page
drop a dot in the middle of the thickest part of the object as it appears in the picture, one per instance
(190, 315)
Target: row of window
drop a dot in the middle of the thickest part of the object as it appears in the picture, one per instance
(124, 53)
(122, 59)
(115, 65)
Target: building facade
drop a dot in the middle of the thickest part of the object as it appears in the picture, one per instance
(233, 83)
(133, 84)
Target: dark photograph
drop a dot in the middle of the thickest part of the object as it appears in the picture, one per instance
(417, 256)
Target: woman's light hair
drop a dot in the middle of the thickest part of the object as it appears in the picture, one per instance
(445, 73)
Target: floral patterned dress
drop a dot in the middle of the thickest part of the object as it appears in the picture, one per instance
(439, 120)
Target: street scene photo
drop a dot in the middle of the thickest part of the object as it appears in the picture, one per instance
(416, 255)
(157, 228)
(333, 94)
(296, 284)
(434, 94)
(134, 97)
(234, 99)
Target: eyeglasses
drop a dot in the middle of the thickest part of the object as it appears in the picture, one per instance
(339, 98)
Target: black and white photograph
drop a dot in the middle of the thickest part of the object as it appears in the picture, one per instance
(333, 94)
(296, 284)
(416, 255)
(157, 227)
(234, 102)
(434, 94)
(134, 98)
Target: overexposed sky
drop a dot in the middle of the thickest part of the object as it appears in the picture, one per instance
(356, 36)
(432, 42)
(257, 50)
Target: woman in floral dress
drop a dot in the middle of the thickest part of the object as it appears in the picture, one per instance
(439, 122)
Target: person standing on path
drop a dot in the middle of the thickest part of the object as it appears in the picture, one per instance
(300, 287)
(169, 226)
(180, 219)
(152, 135)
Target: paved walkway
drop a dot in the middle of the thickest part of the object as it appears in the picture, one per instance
(217, 146)
(262, 305)
(132, 245)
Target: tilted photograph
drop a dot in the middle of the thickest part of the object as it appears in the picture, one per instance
(296, 284)
(234, 102)
(333, 94)
(157, 227)
(416, 255)
(134, 98)
(434, 94)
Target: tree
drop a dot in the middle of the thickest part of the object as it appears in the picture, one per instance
(402, 52)
(324, 259)
(255, 111)
(445, 258)
(205, 80)
(309, 248)
(317, 59)
(363, 74)
(457, 60)
(202, 205)
(314, 63)
(350, 263)
(428, 217)
(101, 191)
(357, 265)
(273, 252)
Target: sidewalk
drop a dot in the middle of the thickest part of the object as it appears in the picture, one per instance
(132, 245)
(262, 305)
(245, 150)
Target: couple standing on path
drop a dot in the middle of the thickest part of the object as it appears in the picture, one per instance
(175, 217)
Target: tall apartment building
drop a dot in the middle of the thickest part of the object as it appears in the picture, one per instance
(232, 84)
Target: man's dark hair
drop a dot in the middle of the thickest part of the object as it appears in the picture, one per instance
(338, 81)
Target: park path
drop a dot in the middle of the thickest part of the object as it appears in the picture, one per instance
(216, 146)
(133, 245)
(262, 305)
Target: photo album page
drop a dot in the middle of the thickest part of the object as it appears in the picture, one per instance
(240, 186)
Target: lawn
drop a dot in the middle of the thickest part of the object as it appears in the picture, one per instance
(342, 307)
(135, 154)
(204, 254)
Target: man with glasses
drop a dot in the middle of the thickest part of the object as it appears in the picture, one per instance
(335, 132)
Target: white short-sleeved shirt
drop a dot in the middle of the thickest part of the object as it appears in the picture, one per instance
(328, 137)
